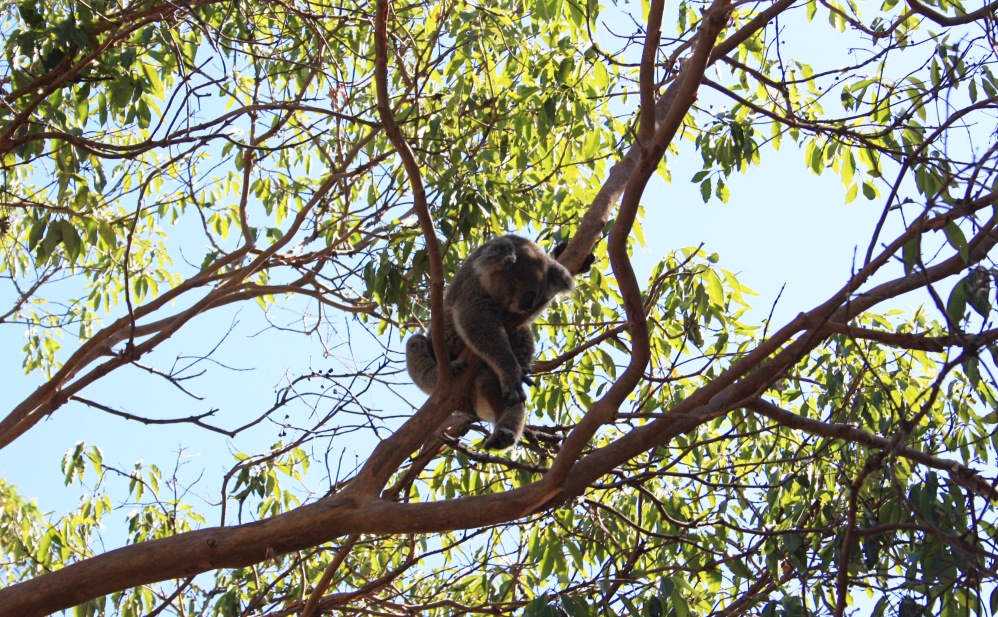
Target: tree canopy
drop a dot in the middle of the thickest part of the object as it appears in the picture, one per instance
(327, 166)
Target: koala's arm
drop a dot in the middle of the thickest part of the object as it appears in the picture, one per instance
(587, 263)
(521, 339)
(478, 320)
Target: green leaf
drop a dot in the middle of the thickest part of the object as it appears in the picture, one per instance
(679, 604)
(554, 7)
(82, 109)
(127, 58)
(971, 368)
(601, 78)
(70, 240)
(102, 109)
(70, 34)
(848, 168)
(814, 157)
(654, 607)
(911, 253)
(575, 606)
(956, 239)
(154, 83)
(977, 285)
(31, 15)
(871, 552)
(550, 109)
(666, 586)
(869, 191)
(548, 560)
(723, 193)
(537, 606)
(107, 234)
(871, 160)
(564, 70)
(72, 462)
(715, 290)
(121, 93)
(36, 233)
(956, 306)
(52, 240)
(909, 608)
(738, 568)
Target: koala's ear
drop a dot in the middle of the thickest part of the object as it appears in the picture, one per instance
(587, 263)
(499, 251)
(496, 256)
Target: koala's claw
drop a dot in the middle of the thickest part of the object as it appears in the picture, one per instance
(514, 396)
(457, 367)
(418, 342)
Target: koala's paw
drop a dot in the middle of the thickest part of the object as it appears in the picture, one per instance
(514, 396)
(587, 263)
(457, 367)
(419, 344)
(500, 439)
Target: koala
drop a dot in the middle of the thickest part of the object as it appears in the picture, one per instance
(488, 306)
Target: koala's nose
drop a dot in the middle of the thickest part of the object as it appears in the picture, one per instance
(528, 300)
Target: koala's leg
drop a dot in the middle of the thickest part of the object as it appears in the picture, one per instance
(422, 364)
(507, 432)
(490, 405)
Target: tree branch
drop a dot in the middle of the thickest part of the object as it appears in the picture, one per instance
(651, 154)
(962, 475)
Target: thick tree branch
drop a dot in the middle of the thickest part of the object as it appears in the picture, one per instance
(384, 460)
(647, 81)
(191, 553)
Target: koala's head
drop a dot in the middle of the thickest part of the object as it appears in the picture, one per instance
(519, 274)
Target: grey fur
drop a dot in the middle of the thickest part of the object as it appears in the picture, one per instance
(502, 281)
